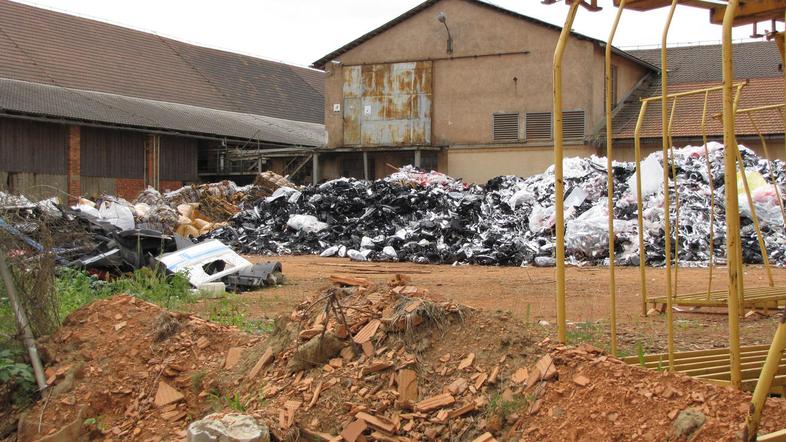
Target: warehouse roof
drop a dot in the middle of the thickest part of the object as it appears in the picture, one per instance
(428, 3)
(23, 98)
(699, 67)
(43, 46)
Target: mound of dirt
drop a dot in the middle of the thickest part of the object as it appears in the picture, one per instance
(359, 362)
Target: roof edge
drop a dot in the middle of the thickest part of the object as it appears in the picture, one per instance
(320, 64)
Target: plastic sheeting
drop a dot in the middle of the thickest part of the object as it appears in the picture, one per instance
(510, 220)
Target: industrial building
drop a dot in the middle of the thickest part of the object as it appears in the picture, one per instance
(88, 107)
(464, 86)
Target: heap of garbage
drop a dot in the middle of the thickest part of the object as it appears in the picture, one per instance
(428, 217)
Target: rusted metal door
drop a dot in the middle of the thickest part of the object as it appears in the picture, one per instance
(387, 104)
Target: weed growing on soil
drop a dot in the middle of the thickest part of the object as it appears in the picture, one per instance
(500, 407)
(231, 310)
(196, 380)
(583, 332)
(18, 377)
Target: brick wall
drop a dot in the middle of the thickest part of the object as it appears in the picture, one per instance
(73, 164)
(129, 188)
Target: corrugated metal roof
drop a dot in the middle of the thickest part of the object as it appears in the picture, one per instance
(428, 3)
(44, 46)
(27, 98)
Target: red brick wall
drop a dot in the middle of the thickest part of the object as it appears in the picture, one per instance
(131, 188)
(170, 185)
(73, 164)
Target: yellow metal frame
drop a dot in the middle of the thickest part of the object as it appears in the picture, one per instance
(559, 184)
(610, 179)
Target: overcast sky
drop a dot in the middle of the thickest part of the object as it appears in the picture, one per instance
(302, 31)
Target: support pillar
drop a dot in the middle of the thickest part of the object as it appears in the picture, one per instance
(417, 158)
(73, 165)
(153, 161)
(365, 166)
(315, 169)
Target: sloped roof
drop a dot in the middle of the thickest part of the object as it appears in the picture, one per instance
(428, 3)
(687, 117)
(692, 64)
(43, 46)
(48, 101)
(699, 67)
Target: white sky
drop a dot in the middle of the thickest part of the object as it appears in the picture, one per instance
(302, 31)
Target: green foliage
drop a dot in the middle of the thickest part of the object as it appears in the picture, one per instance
(76, 288)
(196, 380)
(18, 376)
(583, 332)
(219, 402)
(640, 353)
(499, 406)
(231, 310)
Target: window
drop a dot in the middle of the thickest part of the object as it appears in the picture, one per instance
(538, 126)
(506, 126)
(573, 125)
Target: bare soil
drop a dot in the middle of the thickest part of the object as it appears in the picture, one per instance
(529, 294)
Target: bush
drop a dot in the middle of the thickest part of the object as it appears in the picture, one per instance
(17, 377)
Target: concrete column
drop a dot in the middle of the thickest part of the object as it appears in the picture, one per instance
(365, 166)
(417, 158)
(315, 169)
(73, 164)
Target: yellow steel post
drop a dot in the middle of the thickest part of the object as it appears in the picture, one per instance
(666, 203)
(640, 206)
(712, 190)
(732, 208)
(676, 198)
(610, 179)
(767, 375)
(559, 184)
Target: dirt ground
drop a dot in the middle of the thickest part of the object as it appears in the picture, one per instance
(528, 292)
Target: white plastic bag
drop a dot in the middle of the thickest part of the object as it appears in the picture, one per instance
(306, 223)
(651, 177)
(117, 214)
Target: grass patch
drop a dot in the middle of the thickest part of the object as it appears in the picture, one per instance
(583, 332)
(232, 310)
(502, 408)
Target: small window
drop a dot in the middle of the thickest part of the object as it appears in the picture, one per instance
(506, 127)
(538, 126)
(573, 125)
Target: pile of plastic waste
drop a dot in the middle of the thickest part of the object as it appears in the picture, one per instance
(428, 217)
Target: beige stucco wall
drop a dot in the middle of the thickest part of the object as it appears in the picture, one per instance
(467, 91)
(478, 165)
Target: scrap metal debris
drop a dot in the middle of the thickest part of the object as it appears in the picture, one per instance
(428, 217)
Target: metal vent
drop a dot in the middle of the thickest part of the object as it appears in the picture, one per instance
(506, 127)
(538, 126)
(573, 125)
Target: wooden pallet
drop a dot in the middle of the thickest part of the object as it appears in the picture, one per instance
(754, 298)
(714, 366)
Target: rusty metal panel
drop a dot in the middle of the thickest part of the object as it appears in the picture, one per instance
(388, 104)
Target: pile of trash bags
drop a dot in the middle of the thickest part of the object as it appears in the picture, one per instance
(429, 217)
